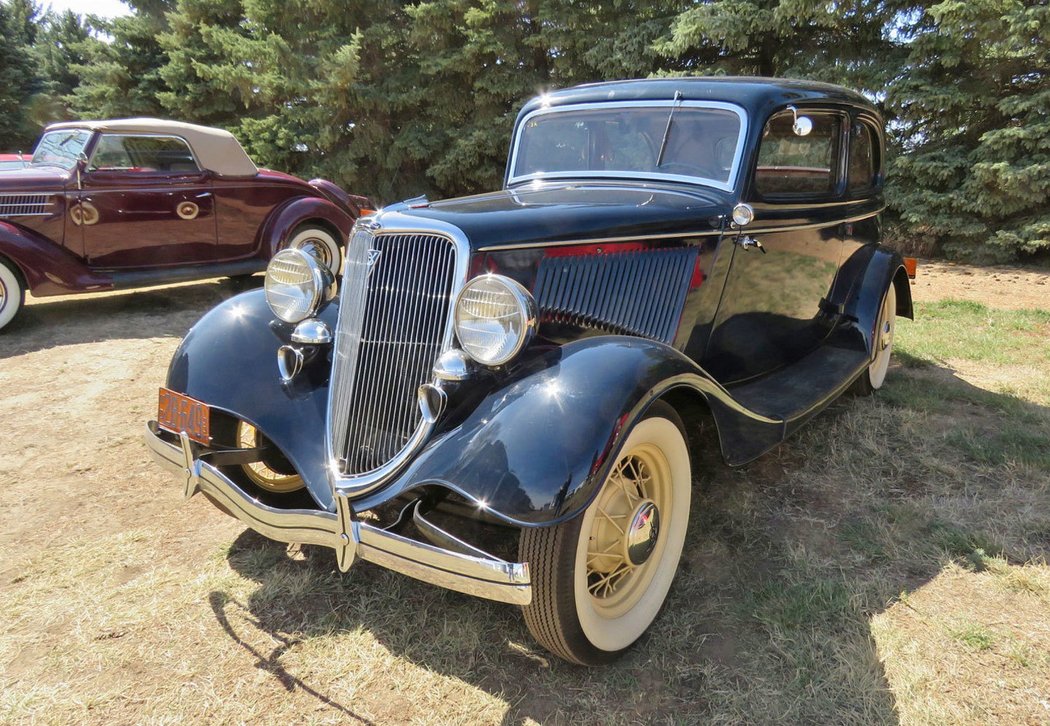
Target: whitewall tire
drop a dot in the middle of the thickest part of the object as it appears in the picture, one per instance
(319, 242)
(600, 579)
(872, 379)
(12, 293)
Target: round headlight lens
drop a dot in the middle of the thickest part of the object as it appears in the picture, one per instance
(495, 317)
(295, 284)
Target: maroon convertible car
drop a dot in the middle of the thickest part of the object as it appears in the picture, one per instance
(133, 202)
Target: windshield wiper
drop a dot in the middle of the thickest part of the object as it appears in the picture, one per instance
(667, 129)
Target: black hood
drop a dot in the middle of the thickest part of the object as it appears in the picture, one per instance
(577, 211)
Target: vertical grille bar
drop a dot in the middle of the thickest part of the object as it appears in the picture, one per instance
(392, 325)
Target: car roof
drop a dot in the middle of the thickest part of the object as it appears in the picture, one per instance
(217, 150)
(753, 93)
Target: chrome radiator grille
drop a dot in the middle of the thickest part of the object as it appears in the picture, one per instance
(25, 205)
(397, 289)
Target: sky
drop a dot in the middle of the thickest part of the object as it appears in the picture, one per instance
(105, 8)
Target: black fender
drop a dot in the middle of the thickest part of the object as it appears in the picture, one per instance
(536, 449)
(875, 269)
(229, 361)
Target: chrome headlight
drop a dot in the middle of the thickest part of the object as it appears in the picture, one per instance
(296, 285)
(495, 318)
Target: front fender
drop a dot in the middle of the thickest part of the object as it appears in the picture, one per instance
(229, 361)
(535, 450)
(281, 223)
(48, 268)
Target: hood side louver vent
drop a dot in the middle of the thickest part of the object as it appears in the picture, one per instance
(627, 293)
(25, 205)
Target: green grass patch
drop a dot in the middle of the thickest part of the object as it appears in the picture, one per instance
(802, 605)
(1012, 442)
(972, 331)
(975, 636)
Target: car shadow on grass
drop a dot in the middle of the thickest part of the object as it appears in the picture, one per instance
(769, 620)
(135, 314)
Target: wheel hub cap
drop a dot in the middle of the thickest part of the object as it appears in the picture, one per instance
(642, 533)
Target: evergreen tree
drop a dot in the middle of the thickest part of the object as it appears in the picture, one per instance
(121, 77)
(974, 117)
(63, 41)
(17, 78)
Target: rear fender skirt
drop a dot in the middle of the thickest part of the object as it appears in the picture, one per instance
(284, 220)
(536, 449)
(229, 361)
(48, 268)
(883, 269)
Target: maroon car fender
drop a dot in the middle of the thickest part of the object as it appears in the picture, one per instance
(354, 203)
(284, 220)
(47, 268)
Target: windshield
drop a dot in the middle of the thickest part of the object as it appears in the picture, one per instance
(683, 141)
(60, 148)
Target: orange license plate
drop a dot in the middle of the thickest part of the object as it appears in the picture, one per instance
(178, 413)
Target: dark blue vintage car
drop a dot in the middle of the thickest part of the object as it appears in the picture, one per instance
(504, 394)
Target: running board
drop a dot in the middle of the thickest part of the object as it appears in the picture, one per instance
(131, 279)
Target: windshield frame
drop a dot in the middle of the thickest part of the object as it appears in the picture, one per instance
(728, 186)
(75, 159)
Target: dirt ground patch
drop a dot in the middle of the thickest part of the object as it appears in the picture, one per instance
(826, 583)
(1011, 288)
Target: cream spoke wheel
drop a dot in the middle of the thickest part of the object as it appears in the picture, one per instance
(882, 346)
(248, 437)
(599, 580)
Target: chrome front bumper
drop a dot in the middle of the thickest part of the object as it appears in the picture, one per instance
(476, 574)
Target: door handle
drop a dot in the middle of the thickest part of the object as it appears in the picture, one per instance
(748, 242)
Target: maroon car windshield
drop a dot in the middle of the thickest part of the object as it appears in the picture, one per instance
(680, 141)
(60, 148)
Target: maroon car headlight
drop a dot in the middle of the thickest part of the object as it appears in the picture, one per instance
(296, 285)
(495, 318)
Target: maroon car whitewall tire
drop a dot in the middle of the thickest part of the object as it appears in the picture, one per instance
(12, 293)
(320, 243)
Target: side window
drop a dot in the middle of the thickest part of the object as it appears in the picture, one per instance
(144, 154)
(792, 165)
(862, 161)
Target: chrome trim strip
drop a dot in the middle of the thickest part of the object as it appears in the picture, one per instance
(385, 223)
(481, 575)
(581, 174)
(676, 235)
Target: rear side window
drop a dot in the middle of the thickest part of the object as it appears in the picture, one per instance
(862, 160)
(143, 154)
(796, 166)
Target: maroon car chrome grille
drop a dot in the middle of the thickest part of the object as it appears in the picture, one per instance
(25, 205)
(397, 290)
(632, 293)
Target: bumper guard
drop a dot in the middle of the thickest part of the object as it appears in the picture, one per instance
(477, 573)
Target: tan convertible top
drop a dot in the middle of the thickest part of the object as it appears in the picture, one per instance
(215, 149)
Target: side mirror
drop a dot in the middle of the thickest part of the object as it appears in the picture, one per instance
(803, 125)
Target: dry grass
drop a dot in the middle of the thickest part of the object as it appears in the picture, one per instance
(887, 565)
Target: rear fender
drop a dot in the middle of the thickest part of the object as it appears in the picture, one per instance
(283, 222)
(47, 268)
(883, 269)
(229, 361)
(536, 449)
